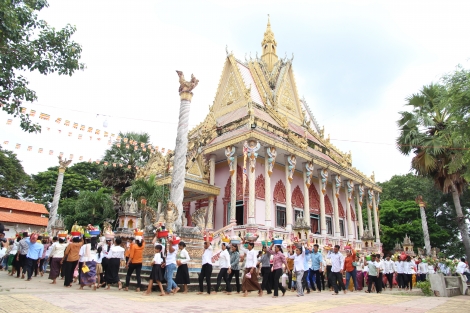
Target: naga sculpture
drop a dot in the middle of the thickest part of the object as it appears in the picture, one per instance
(199, 218)
(186, 86)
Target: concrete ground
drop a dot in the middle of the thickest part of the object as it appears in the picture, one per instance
(38, 295)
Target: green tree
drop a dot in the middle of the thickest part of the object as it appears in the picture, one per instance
(121, 177)
(91, 207)
(14, 182)
(30, 44)
(79, 177)
(422, 132)
(147, 189)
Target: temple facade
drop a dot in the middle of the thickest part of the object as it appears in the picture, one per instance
(260, 160)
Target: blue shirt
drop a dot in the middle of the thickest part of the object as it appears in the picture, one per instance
(307, 257)
(317, 260)
(35, 250)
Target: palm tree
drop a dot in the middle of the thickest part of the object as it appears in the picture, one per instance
(147, 189)
(94, 206)
(120, 177)
(422, 131)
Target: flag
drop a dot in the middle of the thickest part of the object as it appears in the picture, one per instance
(71, 156)
(40, 150)
(82, 127)
(91, 137)
(44, 116)
(89, 160)
(51, 152)
(163, 150)
(32, 113)
(5, 142)
(118, 138)
(80, 158)
(105, 163)
(142, 144)
(97, 161)
(128, 166)
(112, 135)
(58, 120)
(120, 164)
(109, 142)
(9, 121)
(136, 148)
(149, 147)
(114, 164)
(99, 138)
(70, 134)
(106, 134)
(127, 146)
(61, 154)
(18, 146)
(23, 110)
(80, 136)
(97, 132)
(125, 140)
(75, 125)
(30, 148)
(60, 131)
(67, 123)
(48, 128)
(144, 149)
(90, 129)
(118, 145)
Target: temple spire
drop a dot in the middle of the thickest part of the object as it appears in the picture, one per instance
(269, 46)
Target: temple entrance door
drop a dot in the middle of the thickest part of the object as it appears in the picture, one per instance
(239, 212)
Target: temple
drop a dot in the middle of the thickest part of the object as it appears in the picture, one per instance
(260, 160)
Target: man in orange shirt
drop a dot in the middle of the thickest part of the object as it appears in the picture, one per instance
(350, 267)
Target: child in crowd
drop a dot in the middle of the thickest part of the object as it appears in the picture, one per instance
(158, 271)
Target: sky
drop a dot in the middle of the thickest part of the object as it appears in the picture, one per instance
(355, 62)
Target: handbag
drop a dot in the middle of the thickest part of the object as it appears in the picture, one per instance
(248, 275)
(85, 269)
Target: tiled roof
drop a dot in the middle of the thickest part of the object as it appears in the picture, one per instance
(265, 117)
(321, 155)
(19, 205)
(23, 218)
(230, 134)
(300, 131)
(250, 83)
(232, 116)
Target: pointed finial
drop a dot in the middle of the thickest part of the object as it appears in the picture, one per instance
(269, 22)
(226, 49)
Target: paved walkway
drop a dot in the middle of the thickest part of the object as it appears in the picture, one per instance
(38, 295)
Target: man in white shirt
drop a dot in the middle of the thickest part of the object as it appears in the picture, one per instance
(337, 264)
(389, 269)
(224, 264)
(400, 274)
(462, 268)
(380, 265)
(206, 270)
(422, 269)
(299, 268)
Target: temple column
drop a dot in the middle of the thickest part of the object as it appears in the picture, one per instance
(336, 185)
(210, 207)
(369, 207)
(359, 195)
(233, 192)
(269, 161)
(307, 179)
(349, 187)
(289, 168)
(251, 147)
(58, 189)
(322, 178)
(376, 220)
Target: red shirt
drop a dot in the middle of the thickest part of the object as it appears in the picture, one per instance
(348, 262)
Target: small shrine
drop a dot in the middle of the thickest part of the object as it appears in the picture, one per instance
(57, 226)
(406, 246)
(128, 216)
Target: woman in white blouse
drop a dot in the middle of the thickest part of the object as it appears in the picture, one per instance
(115, 256)
(408, 269)
(57, 254)
(182, 274)
(250, 279)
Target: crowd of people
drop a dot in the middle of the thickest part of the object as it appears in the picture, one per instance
(96, 264)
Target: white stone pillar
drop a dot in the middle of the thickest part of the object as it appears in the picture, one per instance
(376, 220)
(359, 196)
(369, 215)
(251, 195)
(233, 193)
(306, 198)
(335, 205)
(210, 206)
(289, 219)
(322, 200)
(269, 160)
(349, 187)
(181, 146)
(55, 200)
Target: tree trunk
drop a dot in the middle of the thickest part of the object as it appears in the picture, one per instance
(424, 223)
(461, 222)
